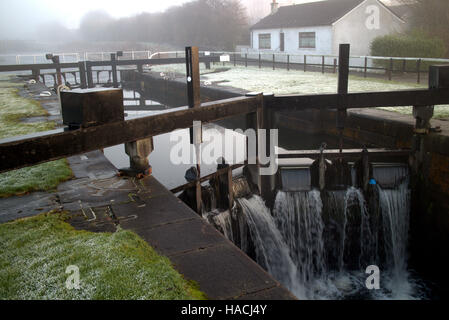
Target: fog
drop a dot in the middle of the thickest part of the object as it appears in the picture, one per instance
(23, 19)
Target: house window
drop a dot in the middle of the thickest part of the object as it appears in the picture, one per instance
(307, 40)
(265, 41)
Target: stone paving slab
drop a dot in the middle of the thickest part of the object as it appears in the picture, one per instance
(223, 272)
(157, 211)
(17, 207)
(275, 293)
(184, 236)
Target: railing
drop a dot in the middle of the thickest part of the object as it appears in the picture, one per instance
(24, 151)
(364, 65)
(85, 69)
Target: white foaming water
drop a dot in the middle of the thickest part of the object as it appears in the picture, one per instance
(292, 247)
(298, 216)
(272, 252)
(395, 208)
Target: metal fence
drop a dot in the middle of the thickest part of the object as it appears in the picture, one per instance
(364, 65)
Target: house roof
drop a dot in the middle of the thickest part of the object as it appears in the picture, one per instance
(402, 11)
(322, 13)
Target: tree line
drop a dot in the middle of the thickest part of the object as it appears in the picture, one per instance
(430, 18)
(211, 24)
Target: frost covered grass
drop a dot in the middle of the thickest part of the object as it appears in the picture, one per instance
(36, 252)
(180, 69)
(281, 81)
(42, 177)
(14, 108)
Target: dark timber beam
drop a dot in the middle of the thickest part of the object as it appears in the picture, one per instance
(24, 151)
(346, 153)
(361, 100)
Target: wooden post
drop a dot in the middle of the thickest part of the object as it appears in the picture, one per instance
(343, 81)
(194, 101)
(114, 70)
(288, 62)
(140, 68)
(390, 70)
(246, 60)
(36, 72)
(418, 67)
(82, 69)
(58, 70)
(274, 62)
(438, 79)
(305, 63)
(230, 192)
(260, 61)
(322, 64)
(235, 61)
(366, 67)
(193, 77)
(335, 65)
(90, 80)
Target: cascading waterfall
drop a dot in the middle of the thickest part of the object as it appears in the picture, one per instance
(318, 244)
(272, 253)
(298, 217)
(395, 209)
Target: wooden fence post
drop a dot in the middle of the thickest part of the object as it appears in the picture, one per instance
(366, 67)
(260, 61)
(418, 67)
(322, 64)
(305, 63)
(194, 101)
(288, 62)
(114, 70)
(390, 70)
(90, 80)
(343, 81)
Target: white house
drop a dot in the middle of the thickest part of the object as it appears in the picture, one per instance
(319, 27)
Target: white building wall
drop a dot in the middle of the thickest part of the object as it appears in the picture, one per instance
(323, 44)
(353, 29)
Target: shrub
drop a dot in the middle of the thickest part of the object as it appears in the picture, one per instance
(415, 45)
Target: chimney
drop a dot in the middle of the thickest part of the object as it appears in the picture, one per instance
(274, 7)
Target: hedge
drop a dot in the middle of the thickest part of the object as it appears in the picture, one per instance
(414, 45)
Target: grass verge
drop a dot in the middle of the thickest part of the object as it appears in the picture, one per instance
(36, 252)
(14, 108)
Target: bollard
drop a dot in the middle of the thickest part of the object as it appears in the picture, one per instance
(138, 152)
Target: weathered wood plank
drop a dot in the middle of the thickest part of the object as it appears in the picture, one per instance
(19, 152)
(421, 97)
(346, 153)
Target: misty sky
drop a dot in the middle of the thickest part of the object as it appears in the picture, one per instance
(19, 18)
